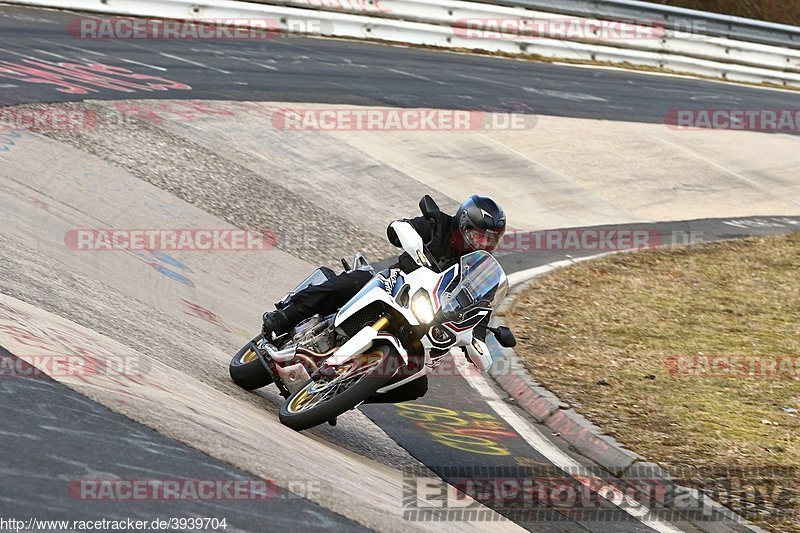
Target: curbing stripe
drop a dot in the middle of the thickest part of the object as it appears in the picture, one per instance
(588, 439)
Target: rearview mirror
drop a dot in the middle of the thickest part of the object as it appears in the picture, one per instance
(428, 206)
(505, 337)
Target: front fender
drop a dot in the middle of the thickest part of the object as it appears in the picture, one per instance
(360, 342)
(479, 354)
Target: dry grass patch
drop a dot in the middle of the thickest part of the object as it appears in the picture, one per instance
(602, 336)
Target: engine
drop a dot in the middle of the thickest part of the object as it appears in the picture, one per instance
(315, 335)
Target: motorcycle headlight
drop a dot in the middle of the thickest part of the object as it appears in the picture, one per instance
(421, 307)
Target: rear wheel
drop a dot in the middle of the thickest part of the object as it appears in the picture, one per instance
(246, 368)
(320, 401)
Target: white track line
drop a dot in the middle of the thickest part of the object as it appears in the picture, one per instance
(75, 48)
(124, 60)
(191, 62)
(256, 63)
(416, 76)
(556, 456)
(45, 52)
(132, 62)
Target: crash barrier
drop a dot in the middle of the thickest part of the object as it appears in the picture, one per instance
(674, 18)
(505, 29)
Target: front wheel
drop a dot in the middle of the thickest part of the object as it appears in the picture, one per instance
(320, 401)
(246, 369)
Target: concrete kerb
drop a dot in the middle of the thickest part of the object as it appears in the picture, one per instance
(585, 437)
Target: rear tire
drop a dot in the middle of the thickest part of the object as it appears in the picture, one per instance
(344, 401)
(246, 368)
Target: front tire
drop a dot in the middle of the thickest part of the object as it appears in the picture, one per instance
(246, 368)
(299, 411)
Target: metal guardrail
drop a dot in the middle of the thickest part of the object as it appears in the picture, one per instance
(674, 18)
(684, 51)
(442, 24)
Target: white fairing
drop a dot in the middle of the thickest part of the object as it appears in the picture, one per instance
(374, 295)
(360, 343)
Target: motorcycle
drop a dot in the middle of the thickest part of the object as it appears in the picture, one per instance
(398, 328)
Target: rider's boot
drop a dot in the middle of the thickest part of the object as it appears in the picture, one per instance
(280, 321)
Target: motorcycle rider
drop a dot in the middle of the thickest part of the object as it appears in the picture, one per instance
(479, 224)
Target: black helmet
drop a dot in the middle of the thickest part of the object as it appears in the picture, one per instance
(479, 225)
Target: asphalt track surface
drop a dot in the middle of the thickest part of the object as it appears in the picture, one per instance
(52, 435)
(85, 438)
(298, 69)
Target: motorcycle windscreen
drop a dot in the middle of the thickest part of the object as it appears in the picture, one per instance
(318, 277)
(483, 284)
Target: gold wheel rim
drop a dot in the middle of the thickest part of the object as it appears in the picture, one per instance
(249, 356)
(302, 398)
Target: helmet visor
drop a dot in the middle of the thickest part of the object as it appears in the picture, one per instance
(482, 239)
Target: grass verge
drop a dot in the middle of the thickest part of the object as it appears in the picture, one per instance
(639, 344)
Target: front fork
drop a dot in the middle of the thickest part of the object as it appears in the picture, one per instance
(381, 324)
